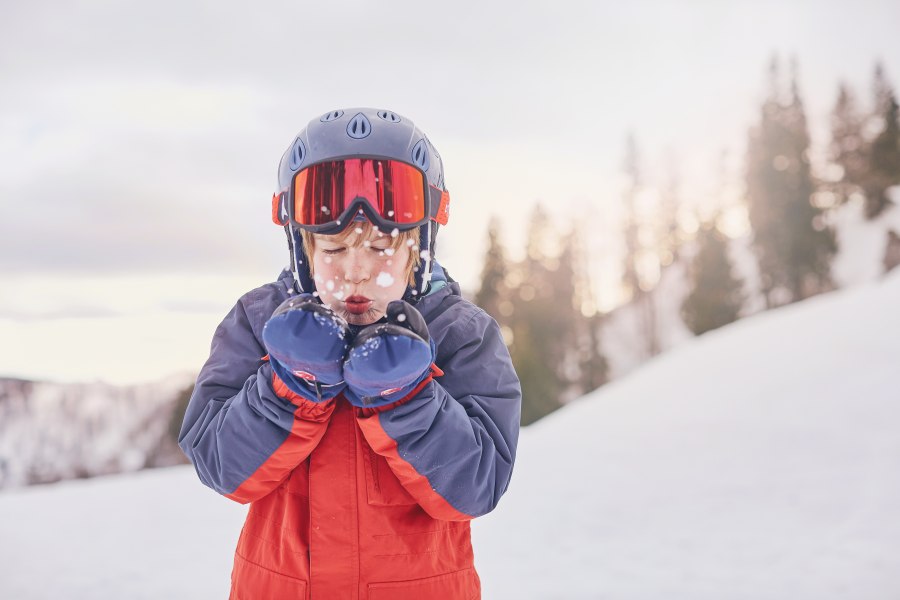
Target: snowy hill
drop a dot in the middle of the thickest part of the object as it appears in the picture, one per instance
(760, 461)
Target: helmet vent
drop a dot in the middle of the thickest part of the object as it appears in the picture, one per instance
(335, 114)
(298, 153)
(420, 155)
(359, 127)
(388, 116)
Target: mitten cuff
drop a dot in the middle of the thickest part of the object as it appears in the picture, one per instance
(371, 409)
(311, 391)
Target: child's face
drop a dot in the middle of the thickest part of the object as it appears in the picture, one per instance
(359, 275)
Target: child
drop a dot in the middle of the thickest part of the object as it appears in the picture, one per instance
(364, 409)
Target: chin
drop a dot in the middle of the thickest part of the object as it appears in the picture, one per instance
(366, 318)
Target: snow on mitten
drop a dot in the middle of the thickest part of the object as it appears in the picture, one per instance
(388, 360)
(307, 343)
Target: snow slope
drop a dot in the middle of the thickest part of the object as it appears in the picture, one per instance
(758, 461)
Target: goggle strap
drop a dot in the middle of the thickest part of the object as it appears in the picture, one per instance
(443, 211)
(279, 210)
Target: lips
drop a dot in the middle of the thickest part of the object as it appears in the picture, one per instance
(358, 304)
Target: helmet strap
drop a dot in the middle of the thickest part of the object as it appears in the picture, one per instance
(303, 281)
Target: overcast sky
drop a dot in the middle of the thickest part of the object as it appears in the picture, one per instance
(139, 140)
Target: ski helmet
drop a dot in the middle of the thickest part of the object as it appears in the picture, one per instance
(369, 133)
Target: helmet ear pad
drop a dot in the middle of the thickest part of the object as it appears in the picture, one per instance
(422, 277)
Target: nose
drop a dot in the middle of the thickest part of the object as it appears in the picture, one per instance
(356, 268)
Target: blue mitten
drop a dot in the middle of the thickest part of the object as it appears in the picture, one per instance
(388, 360)
(307, 344)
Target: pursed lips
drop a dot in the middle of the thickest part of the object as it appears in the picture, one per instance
(357, 304)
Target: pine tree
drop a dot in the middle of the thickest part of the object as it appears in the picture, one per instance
(630, 275)
(633, 280)
(848, 146)
(554, 347)
(539, 325)
(540, 388)
(593, 367)
(867, 148)
(670, 233)
(716, 294)
(565, 320)
(891, 258)
(792, 242)
(494, 292)
(884, 154)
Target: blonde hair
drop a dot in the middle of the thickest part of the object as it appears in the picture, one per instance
(363, 229)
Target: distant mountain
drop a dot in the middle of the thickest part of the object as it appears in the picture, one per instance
(53, 431)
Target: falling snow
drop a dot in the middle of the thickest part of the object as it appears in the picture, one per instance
(384, 279)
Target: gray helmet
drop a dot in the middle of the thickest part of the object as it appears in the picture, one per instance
(362, 132)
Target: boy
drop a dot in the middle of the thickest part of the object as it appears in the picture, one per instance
(363, 408)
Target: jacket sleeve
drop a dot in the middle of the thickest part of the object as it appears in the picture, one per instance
(243, 430)
(452, 441)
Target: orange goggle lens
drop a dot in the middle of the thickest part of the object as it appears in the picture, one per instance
(394, 190)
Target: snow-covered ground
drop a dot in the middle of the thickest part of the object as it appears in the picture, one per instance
(760, 461)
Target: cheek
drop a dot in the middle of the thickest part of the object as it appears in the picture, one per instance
(391, 278)
(326, 271)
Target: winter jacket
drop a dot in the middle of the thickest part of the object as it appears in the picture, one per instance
(357, 503)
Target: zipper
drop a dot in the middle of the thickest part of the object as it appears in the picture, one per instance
(373, 463)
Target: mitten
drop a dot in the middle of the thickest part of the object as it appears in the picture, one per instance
(307, 343)
(388, 360)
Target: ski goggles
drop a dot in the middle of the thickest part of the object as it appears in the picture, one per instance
(326, 196)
